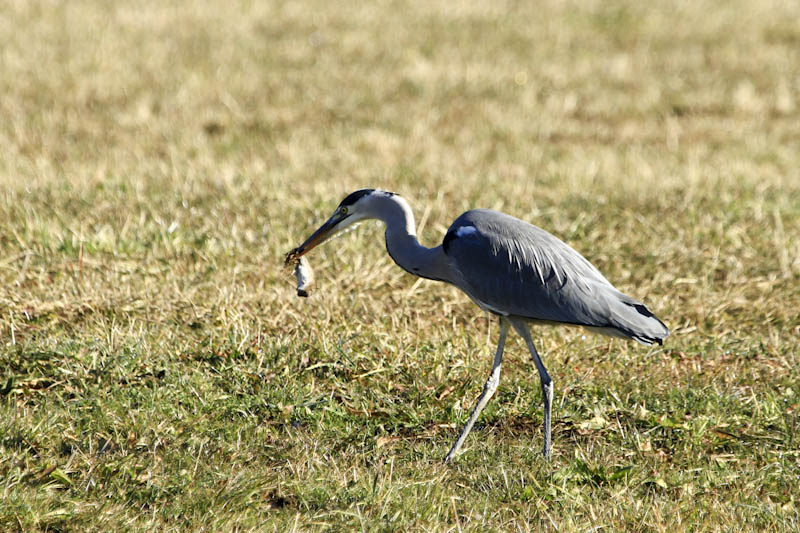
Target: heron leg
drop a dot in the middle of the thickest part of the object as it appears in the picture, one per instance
(544, 377)
(488, 390)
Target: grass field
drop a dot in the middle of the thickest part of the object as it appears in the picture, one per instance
(158, 159)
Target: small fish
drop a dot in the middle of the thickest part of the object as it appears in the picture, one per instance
(304, 275)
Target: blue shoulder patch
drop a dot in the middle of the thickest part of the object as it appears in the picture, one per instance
(461, 231)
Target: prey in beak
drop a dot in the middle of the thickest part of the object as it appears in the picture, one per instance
(331, 227)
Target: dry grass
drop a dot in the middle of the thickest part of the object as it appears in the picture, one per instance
(158, 158)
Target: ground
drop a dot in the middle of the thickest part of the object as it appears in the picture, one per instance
(157, 371)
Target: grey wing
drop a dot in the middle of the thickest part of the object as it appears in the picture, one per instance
(514, 268)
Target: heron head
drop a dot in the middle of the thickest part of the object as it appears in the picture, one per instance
(357, 206)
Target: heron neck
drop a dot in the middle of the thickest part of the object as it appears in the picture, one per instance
(404, 247)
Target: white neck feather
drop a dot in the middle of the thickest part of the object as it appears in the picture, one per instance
(402, 243)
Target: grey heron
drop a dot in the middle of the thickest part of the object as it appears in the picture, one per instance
(508, 267)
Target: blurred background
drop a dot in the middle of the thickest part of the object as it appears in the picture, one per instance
(133, 131)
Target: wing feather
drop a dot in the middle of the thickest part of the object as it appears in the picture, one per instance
(515, 268)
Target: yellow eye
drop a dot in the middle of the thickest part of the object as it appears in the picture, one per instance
(343, 210)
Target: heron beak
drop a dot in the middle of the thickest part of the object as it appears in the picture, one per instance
(326, 231)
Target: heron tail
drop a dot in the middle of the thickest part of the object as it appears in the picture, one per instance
(634, 320)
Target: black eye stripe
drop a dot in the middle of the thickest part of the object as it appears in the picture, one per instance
(354, 197)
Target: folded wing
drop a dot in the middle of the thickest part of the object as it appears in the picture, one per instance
(514, 268)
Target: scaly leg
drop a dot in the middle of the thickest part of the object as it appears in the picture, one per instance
(488, 390)
(544, 377)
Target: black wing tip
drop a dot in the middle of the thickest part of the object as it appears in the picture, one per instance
(647, 341)
(644, 311)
